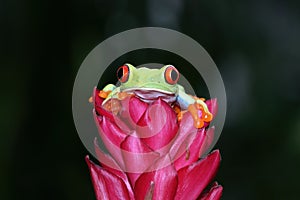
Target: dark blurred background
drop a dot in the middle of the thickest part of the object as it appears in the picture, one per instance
(254, 43)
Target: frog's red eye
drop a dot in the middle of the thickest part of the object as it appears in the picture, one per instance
(123, 73)
(171, 75)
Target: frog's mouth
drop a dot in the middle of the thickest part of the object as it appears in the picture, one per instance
(150, 95)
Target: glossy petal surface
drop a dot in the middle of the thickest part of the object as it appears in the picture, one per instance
(194, 178)
(164, 182)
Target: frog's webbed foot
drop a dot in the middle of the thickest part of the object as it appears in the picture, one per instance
(112, 103)
(200, 117)
(112, 97)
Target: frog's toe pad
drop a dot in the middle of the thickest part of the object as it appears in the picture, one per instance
(200, 114)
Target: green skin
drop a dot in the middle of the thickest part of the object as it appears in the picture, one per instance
(146, 79)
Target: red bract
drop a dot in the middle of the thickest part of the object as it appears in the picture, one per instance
(152, 155)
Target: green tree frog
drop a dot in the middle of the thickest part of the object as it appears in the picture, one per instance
(150, 84)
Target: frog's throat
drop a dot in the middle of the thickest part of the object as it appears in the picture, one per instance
(132, 90)
(152, 95)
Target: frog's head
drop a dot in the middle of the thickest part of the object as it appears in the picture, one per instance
(162, 80)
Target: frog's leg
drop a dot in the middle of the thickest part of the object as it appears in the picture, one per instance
(193, 105)
(184, 100)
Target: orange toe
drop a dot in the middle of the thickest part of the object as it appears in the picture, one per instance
(103, 94)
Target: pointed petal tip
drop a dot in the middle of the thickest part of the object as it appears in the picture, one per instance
(90, 163)
(87, 159)
(214, 193)
(212, 102)
(136, 108)
(212, 105)
(215, 155)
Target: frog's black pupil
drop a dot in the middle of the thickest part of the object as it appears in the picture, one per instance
(174, 75)
(120, 72)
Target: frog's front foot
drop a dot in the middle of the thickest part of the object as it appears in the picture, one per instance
(112, 97)
(104, 94)
(178, 112)
(111, 101)
(200, 112)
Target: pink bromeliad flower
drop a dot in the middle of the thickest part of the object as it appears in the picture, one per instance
(155, 152)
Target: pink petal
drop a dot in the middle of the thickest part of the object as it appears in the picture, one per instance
(96, 99)
(209, 138)
(194, 178)
(159, 184)
(112, 137)
(158, 126)
(186, 135)
(191, 153)
(214, 193)
(212, 106)
(107, 162)
(123, 125)
(110, 130)
(110, 165)
(106, 184)
(98, 105)
(132, 108)
(137, 157)
(136, 109)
